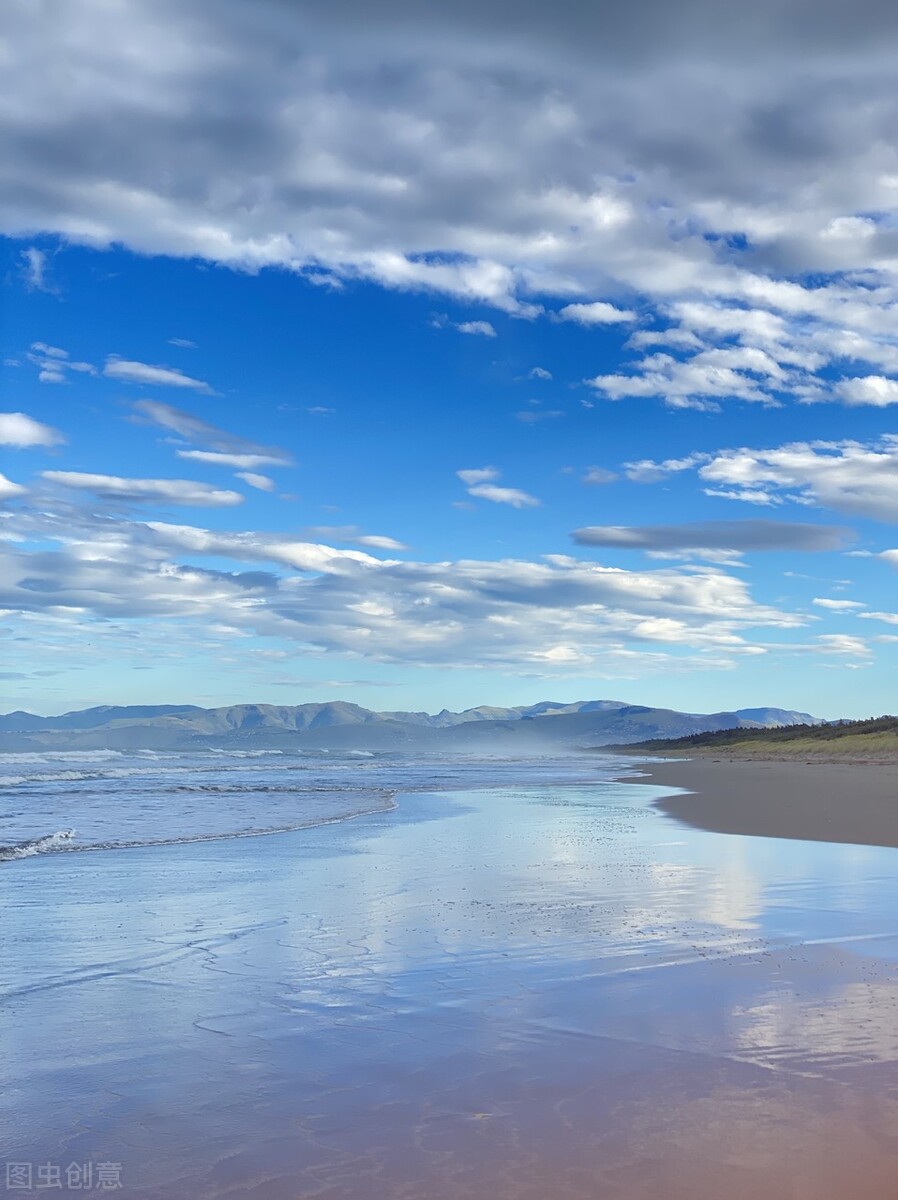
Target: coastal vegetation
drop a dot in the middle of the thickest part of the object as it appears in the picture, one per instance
(873, 739)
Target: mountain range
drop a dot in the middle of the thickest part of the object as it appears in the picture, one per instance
(340, 725)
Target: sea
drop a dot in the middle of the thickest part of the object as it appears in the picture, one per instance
(64, 801)
(281, 976)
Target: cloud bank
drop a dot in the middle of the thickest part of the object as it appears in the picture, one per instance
(728, 173)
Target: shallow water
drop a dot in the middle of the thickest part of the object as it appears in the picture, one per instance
(507, 991)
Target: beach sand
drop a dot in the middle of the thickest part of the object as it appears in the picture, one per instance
(818, 801)
(522, 993)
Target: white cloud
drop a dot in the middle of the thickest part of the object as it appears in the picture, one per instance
(508, 614)
(34, 270)
(841, 643)
(220, 458)
(474, 475)
(838, 605)
(848, 477)
(539, 373)
(354, 535)
(887, 618)
(596, 313)
(656, 156)
(477, 328)
(857, 478)
(17, 429)
(49, 351)
(700, 383)
(872, 389)
(503, 495)
(142, 373)
(597, 477)
(182, 343)
(53, 363)
(169, 491)
(223, 449)
(480, 483)
(8, 489)
(647, 471)
(261, 483)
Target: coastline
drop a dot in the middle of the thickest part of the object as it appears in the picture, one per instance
(854, 803)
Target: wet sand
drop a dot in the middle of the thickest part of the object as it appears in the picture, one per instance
(853, 803)
(550, 993)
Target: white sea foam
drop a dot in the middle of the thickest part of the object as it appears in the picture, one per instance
(46, 757)
(117, 800)
(40, 845)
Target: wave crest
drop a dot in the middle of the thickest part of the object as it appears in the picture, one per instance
(40, 845)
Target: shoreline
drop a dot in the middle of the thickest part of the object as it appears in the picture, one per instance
(853, 804)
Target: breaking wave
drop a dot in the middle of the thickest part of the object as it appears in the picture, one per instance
(40, 845)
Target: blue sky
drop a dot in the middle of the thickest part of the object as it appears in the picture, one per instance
(338, 392)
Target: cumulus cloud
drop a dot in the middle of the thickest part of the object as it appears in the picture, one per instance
(262, 483)
(480, 482)
(701, 383)
(647, 471)
(8, 488)
(848, 477)
(597, 313)
(53, 363)
(477, 613)
(128, 371)
(872, 389)
(857, 478)
(659, 156)
(474, 475)
(17, 429)
(168, 491)
(539, 373)
(715, 535)
(477, 328)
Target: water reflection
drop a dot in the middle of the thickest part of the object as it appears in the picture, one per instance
(523, 992)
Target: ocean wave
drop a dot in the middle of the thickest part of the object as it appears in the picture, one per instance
(61, 841)
(46, 757)
(150, 770)
(241, 753)
(39, 845)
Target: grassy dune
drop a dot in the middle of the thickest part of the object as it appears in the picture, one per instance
(874, 740)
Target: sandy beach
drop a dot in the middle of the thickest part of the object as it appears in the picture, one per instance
(524, 991)
(853, 803)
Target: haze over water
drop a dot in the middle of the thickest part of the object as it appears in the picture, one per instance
(522, 982)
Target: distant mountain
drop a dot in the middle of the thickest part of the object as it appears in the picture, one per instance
(538, 727)
(445, 719)
(775, 718)
(92, 718)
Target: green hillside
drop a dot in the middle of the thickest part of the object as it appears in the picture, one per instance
(872, 739)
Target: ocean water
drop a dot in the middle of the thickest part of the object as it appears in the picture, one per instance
(517, 980)
(72, 800)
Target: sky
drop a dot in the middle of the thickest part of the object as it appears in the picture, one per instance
(477, 355)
